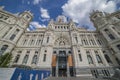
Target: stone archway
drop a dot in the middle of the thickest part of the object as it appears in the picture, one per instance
(62, 61)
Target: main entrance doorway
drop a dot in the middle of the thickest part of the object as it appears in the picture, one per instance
(62, 64)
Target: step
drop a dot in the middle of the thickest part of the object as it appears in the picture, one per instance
(73, 78)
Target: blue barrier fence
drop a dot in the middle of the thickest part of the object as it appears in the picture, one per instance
(22, 74)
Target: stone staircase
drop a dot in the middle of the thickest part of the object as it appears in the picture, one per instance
(74, 78)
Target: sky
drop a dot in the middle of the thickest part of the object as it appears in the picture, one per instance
(44, 10)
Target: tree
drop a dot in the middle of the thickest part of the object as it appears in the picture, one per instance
(5, 60)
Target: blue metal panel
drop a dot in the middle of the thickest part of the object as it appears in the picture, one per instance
(22, 74)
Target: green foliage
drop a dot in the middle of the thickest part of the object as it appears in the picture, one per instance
(5, 60)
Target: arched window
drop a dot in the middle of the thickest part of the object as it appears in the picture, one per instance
(16, 58)
(34, 60)
(98, 58)
(90, 59)
(108, 58)
(25, 59)
(3, 49)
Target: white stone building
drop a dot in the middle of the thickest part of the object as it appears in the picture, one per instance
(61, 47)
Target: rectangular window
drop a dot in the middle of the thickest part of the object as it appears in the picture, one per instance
(76, 39)
(44, 58)
(47, 39)
(80, 57)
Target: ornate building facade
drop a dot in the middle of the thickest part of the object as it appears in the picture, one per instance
(61, 47)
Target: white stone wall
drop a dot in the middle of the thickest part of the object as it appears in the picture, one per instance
(10, 28)
(111, 23)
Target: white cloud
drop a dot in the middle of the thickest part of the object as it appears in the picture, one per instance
(79, 10)
(44, 20)
(36, 1)
(44, 13)
(28, 29)
(37, 25)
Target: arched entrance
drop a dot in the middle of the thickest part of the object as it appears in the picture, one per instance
(62, 60)
(62, 63)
